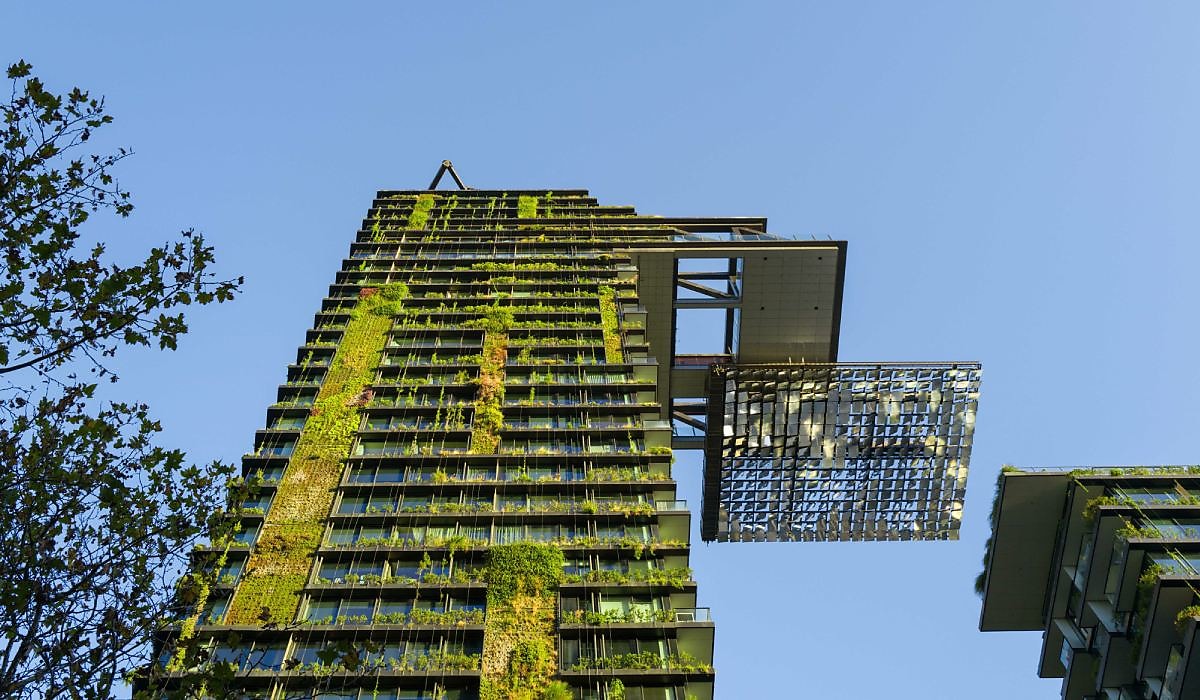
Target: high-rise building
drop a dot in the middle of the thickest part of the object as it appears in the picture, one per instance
(467, 479)
(1105, 562)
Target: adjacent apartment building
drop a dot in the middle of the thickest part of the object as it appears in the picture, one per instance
(466, 482)
(1104, 562)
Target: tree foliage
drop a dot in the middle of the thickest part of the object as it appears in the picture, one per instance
(99, 515)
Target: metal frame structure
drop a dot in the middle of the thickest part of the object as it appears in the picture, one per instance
(799, 452)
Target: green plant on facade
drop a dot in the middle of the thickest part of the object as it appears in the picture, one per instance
(519, 650)
(635, 615)
(1185, 616)
(513, 267)
(527, 207)
(1092, 507)
(549, 298)
(1145, 587)
(420, 211)
(644, 660)
(676, 577)
(993, 518)
(1129, 531)
(193, 590)
(608, 321)
(615, 689)
(444, 215)
(278, 567)
(624, 474)
(488, 419)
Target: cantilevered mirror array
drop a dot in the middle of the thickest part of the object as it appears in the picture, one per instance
(802, 452)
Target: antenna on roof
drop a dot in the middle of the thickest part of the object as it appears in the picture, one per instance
(447, 167)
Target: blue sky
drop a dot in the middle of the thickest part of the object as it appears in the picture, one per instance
(1016, 182)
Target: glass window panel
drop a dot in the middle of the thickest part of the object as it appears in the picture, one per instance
(381, 504)
(543, 533)
(392, 607)
(512, 503)
(353, 609)
(570, 652)
(271, 474)
(474, 532)
(613, 605)
(509, 533)
(247, 535)
(440, 533)
(232, 569)
(374, 532)
(464, 604)
(411, 504)
(342, 535)
(412, 535)
(620, 646)
(389, 475)
(403, 568)
(481, 474)
(333, 571)
(265, 657)
(215, 610)
(230, 655)
(364, 568)
(429, 605)
(322, 610)
(361, 475)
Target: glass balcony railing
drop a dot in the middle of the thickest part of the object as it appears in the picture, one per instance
(693, 615)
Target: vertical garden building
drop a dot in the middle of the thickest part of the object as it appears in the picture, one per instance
(467, 484)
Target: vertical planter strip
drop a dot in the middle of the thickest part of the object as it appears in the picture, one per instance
(519, 654)
(527, 207)
(420, 211)
(489, 400)
(282, 556)
(608, 320)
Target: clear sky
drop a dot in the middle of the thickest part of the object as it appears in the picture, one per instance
(1017, 182)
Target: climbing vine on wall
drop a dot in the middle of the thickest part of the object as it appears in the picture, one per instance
(282, 557)
(193, 590)
(608, 320)
(420, 211)
(519, 654)
(527, 207)
(489, 400)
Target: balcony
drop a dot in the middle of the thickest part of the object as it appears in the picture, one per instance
(1182, 677)
(674, 519)
(1168, 598)
(1024, 535)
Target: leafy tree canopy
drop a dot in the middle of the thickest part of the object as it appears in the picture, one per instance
(98, 515)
